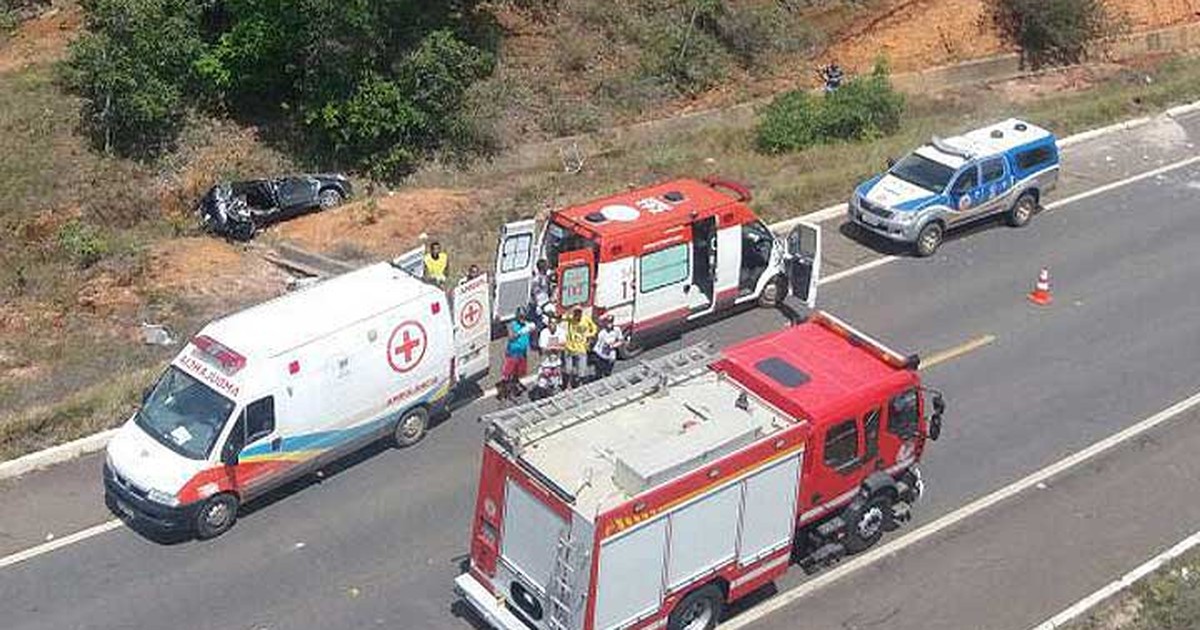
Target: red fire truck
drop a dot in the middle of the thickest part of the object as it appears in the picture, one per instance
(658, 257)
(654, 497)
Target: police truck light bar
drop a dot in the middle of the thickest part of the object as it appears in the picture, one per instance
(229, 360)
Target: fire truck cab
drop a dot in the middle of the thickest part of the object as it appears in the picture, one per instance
(655, 497)
(658, 257)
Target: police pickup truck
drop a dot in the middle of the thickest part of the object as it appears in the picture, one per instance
(1002, 169)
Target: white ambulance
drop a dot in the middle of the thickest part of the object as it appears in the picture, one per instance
(279, 389)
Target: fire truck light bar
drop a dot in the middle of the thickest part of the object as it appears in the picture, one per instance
(886, 354)
(229, 360)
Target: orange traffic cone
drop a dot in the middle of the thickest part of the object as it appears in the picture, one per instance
(1041, 290)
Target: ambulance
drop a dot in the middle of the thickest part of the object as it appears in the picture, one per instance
(658, 258)
(285, 387)
(658, 496)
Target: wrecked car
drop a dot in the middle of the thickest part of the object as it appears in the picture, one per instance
(238, 210)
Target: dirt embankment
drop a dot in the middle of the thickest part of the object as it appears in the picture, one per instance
(41, 39)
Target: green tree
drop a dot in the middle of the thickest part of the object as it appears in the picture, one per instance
(133, 69)
(1052, 31)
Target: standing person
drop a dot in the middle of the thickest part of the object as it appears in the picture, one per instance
(436, 262)
(516, 354)
(472, 273)
(552, 338)
(608, 341)
(540, 289)
(580, 331)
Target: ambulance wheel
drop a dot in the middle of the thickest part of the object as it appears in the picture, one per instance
(216, 515)
(866, 520)
(1023, 210)
(700, 610)
(930, 239)
(411, 427)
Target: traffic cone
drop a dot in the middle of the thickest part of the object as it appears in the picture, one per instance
(1041, 290)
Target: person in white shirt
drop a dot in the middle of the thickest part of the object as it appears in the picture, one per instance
(608, 341)
(553, 336)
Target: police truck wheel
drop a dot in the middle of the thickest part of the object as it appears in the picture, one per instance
(700, 610)
(216, 515)
(329, 198)
(411, 427)
(930, 239)
(866, 520)
(1022, 211)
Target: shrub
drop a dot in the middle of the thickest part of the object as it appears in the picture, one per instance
(83, 243)
(864, 108)
(1052, 31)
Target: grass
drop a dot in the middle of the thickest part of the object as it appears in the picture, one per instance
(1168, 599)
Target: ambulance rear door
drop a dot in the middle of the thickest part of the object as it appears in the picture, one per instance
(472, 330)
(803, 261)
(516, 255)
(576, 279)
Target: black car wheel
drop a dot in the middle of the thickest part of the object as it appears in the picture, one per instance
(329, 198)
(241, 231)
(867, 519)
(216, 516)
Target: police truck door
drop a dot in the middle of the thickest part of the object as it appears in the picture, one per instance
(804, 261)
(516, 254)
(472, 330)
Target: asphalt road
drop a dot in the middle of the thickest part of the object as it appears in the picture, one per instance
(378, 543)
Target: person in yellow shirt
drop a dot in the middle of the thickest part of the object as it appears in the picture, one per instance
(580, 332)
(436, 262)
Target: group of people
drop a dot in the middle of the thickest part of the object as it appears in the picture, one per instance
(571, 349)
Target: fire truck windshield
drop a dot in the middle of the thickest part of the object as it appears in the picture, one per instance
(184, 414)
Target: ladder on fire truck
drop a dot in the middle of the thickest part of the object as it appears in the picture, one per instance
(569, 559)
(521, 425)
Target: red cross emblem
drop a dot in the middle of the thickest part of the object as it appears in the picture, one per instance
(406, 346)
(470, 314)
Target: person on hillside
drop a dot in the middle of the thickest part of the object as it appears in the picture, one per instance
(608, 341)
(472, 273)
(580, 332)
(436, 262)
(516, 353)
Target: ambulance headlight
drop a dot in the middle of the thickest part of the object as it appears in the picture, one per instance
(162, 498)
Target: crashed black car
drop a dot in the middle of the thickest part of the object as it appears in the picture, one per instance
(238, 210)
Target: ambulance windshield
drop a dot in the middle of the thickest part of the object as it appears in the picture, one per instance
(184, 414)
(923, 172)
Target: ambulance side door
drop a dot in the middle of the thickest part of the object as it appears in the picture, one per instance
(472, 330)
(804, 262)
(516, 257)
(664, 277)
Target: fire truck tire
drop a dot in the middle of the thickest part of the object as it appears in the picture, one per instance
(866, 520)
(216, 515)
(700, 610)
(411, 427)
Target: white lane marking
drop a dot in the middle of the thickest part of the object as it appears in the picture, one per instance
(853, 271)
(1112, 588)
(59, 543)
(957, 351)
(1124, 182)
(949, 520)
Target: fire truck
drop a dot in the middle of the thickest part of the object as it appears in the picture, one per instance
(657, 496)
(658, 258)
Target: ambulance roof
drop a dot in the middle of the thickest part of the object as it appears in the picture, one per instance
(605, 448)
(655, 207)
(987, 141)
(295, 319)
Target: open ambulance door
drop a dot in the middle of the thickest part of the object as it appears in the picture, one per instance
(575, 279)
(411, 262)
(472, 328)
(516, 256)
(803, 261)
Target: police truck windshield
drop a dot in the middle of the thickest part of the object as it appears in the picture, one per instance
(923, 172)
(184, 414)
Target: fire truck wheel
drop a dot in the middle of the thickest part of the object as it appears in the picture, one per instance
(700, 610)
(867, 519)
(411, 427)
(216, 516)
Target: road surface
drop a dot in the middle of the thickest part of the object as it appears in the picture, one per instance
(378, 543)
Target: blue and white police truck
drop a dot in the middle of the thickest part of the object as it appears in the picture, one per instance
(1002, 169)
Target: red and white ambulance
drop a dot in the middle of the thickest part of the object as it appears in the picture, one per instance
(657, 496)
(658, 257)
(281, 388)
